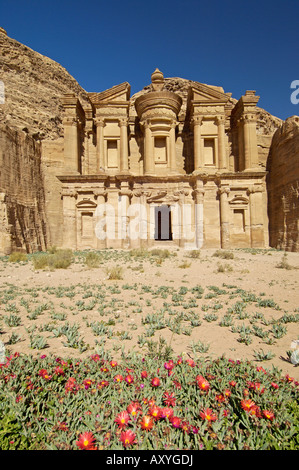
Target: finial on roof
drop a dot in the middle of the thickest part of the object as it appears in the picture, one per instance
(157, 80)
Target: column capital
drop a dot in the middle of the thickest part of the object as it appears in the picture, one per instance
(223, 190)
(100, 122)
(123, 122)
(255, 189)
(196, 120)
(220, 120)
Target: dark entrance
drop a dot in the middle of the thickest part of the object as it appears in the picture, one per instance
(163, 223)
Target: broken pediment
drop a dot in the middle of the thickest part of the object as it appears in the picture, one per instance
(115, 95)
(200, 92)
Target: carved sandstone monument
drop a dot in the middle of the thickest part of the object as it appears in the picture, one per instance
(180, 162)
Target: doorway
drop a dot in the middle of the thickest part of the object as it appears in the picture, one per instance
(163, 230)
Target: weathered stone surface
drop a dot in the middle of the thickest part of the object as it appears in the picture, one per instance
(33, 87)
(22, 209)
(283, 186)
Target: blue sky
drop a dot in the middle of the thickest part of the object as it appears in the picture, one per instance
(238, 45)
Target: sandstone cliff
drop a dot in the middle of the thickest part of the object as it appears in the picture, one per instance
(31, 112)
(283, 186)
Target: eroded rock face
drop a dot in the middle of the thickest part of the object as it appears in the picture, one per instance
(22, 208)
(33, 88)
(31, 112)
(283, 186)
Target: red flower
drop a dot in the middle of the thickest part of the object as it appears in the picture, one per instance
(208, 414)
(169, 365)
(247, 404)
(144, 374)
(127, 438)
(202, 383)
(129, 379)
(232, 383)
(156, 412)
(133, 408)
(190, 362)
(122, 419)
(44, 374)
(268, 414)
(87, 383)
(167, 413)
(274, 385)
(113, 363)
(155, 382)
(169, 399)
(147, 423)
(86, 441)
(118, 378)
(176, 421)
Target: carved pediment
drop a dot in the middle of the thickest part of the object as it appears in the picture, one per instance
(200, 92)
(115, 95)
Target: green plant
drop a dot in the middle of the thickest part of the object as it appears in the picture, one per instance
(263, 356)
(17, 257)
(114, 273)
(92, 260)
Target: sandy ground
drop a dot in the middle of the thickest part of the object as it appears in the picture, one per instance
(44, 301)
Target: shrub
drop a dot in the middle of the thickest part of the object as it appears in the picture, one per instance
(60, 259)
(17, 256)
(92, 260)
(224, 254)
(40, 261)
(115, 273)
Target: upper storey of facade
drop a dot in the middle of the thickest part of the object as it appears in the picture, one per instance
(160, 132)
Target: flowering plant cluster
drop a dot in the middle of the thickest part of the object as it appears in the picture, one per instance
(141, 403)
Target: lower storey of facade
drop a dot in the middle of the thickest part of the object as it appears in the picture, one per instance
(192, 212)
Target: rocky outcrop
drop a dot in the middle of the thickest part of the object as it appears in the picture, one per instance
(283, 186)
(33, 85)
(30, 112)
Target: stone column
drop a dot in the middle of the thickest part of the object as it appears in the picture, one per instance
(198, 158)
(256, 216)
(148, 149)
(69, 219)
(172, 159)
(220, 120)
(199, 223)
(224, 216)
(250, 142)
(71, 144)
(123, 124)
(100, 124)
(101, 236)
(125, 196)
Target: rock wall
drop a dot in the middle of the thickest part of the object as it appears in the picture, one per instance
(30, 115)
(283, 186)
(22, 207)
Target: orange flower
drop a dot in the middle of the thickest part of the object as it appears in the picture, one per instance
(122, 419)
(133, 408)
(118, 378)
(208, 414)
(155, 412)
(86, 441)
(202, 383)
(128, 438)
(147, 423)
(247, 404)
(268, 414)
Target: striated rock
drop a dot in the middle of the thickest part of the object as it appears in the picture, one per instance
(283, 186)
(22, 208)
(33, 87)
